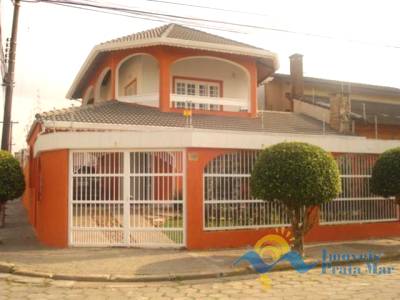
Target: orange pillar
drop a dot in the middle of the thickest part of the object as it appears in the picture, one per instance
(113, 66)
(165, 83)
(194, 200)
(253, 91)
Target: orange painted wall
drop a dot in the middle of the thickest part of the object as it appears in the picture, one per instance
(46, 198)
(52, 200)
(197, 238)
(166, 56)
(29, 197)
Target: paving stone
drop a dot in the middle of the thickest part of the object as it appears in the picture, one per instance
(284, 286)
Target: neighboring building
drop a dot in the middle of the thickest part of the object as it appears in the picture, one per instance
(373, 111)
(161, 150)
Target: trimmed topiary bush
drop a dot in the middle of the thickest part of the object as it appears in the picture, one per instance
(12, 183)
(385, 179)
(300, 176)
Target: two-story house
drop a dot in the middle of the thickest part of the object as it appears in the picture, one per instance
(161, 150)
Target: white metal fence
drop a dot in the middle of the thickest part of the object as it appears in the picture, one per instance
(127, 198)
(227, 200)
(229, 205)
(356, 203)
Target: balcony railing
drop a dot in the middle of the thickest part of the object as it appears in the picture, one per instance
(195, 102)
(209, 103)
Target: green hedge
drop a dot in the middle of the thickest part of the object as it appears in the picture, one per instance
(385, 179)
(296, 174)
(12, 183)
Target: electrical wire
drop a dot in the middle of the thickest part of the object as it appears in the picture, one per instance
(210, 22)
(208, 7)
(161, 20)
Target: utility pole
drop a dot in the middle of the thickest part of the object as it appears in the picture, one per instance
(9, 81)
(10, 142)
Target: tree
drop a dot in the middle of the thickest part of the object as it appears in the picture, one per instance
(12, 183)
(300, 176)
(385, 179)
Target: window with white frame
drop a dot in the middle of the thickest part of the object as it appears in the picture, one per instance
(193, 87)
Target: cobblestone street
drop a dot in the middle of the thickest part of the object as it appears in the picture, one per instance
(285, 285)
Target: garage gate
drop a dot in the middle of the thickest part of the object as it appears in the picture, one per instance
(127, 198)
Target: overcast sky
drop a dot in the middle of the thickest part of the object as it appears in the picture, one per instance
(53, 42)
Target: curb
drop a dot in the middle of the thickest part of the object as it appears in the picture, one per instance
(16, 270)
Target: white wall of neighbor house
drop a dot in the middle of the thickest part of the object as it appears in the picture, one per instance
(235, 79)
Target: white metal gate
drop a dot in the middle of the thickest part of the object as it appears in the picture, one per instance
(127, 198)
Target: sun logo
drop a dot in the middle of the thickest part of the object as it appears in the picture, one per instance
(272, 247)
(270, 251)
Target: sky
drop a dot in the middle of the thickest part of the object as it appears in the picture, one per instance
(350, 40)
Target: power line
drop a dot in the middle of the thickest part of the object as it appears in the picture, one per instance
(209, 22)
(162, 20)
(208, 7)
(124, 13)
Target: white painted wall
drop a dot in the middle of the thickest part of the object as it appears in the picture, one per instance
(235, 79)
(129, 70)
(146, 71)
(151, 75)
(132, 137)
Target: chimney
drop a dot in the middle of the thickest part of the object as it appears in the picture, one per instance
(340, 113)
(296, 76)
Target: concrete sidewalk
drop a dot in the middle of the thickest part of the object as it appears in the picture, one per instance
(21, 254)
